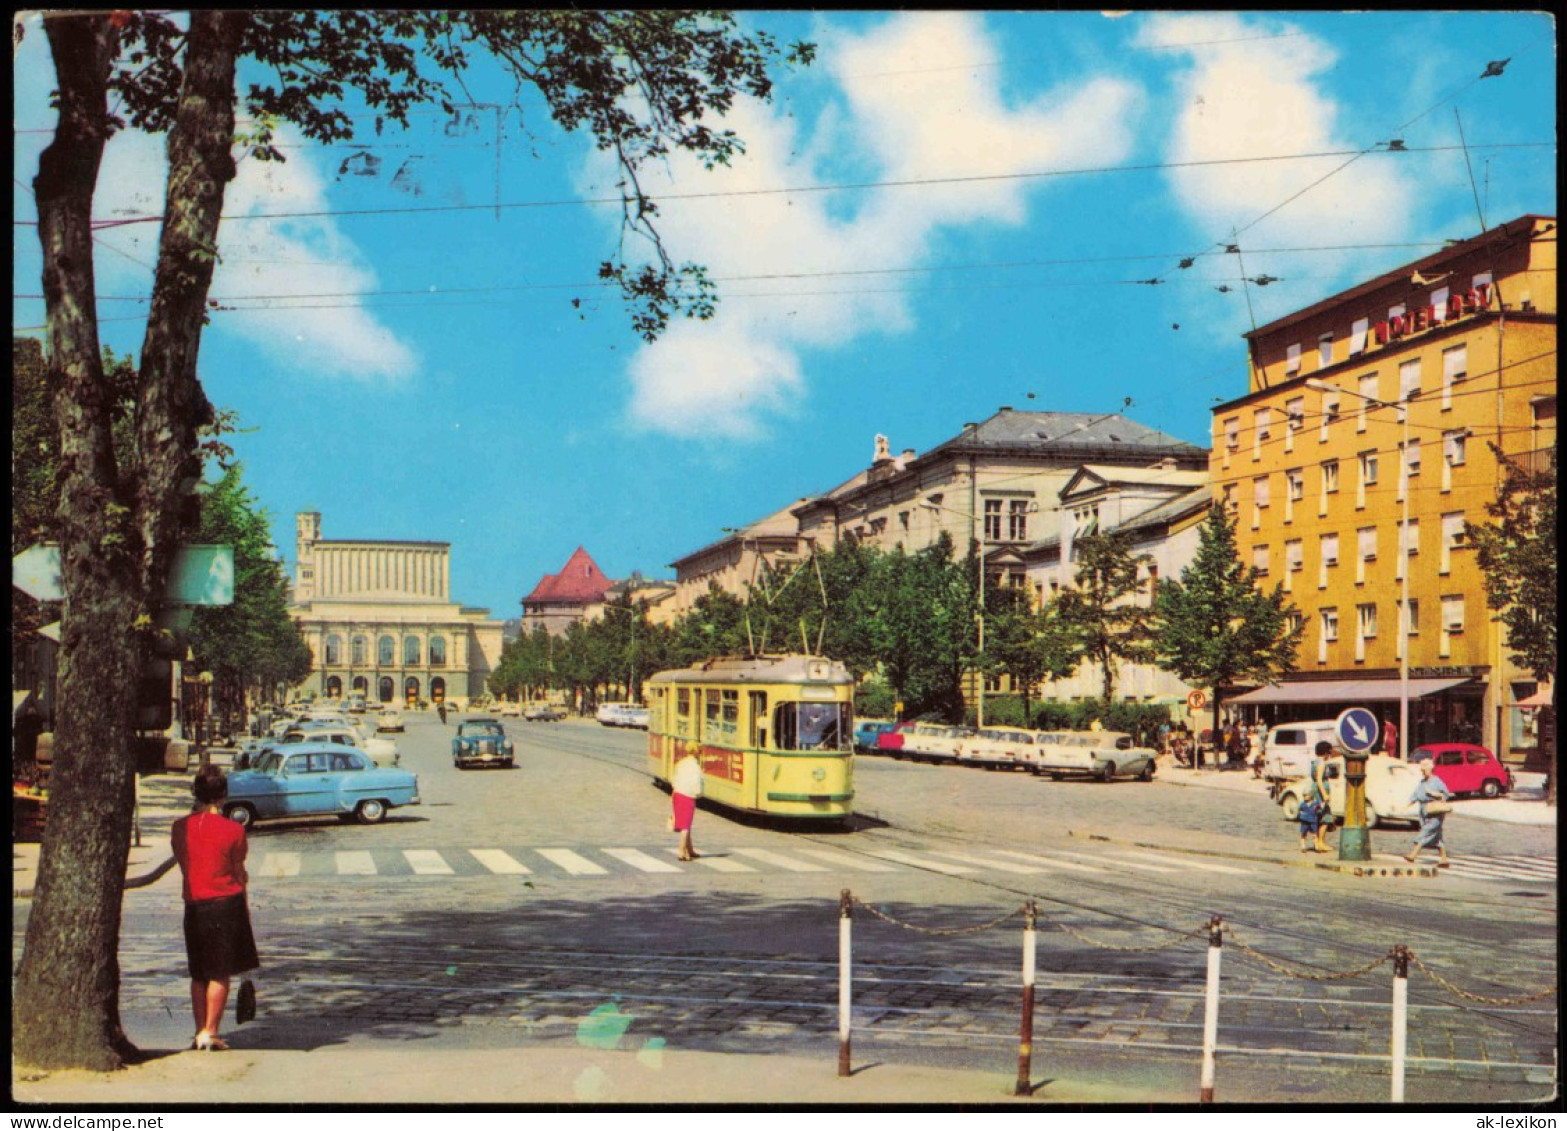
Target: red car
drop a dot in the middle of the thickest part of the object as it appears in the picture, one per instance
(1466, 768)
(891, 741)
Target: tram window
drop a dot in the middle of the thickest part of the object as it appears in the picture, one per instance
(810, 726)
(731, 707)
(758, 720)
(711, 730)
(683, 702)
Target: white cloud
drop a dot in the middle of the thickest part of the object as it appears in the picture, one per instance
(943, 120)
(300, 257)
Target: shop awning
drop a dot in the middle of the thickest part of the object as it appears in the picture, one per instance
(1344, 691)
(1541, 698)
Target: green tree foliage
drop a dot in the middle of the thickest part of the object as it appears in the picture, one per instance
(715, 626)
(641, 85)
(527, 666)
(1214, 627)
(253, 645)
(920, 626)
(1517, 555)
(1026, 643)
(819, 605)
(1100, 609)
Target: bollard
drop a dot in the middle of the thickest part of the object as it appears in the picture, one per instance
(845, 920)
(1210, 1012)
(1025, 1048)
(1400, 1018)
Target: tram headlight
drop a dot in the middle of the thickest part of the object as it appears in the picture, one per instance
(818, 774)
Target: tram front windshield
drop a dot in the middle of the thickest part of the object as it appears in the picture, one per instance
(813, 726)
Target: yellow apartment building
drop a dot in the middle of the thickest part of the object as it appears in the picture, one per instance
(1322, 467)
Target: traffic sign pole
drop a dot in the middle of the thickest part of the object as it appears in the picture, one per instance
(1356, 730)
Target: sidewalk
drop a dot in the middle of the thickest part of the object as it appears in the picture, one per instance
(1525, 805)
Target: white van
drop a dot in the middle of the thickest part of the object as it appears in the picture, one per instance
(1289, 747)
(1390, 785)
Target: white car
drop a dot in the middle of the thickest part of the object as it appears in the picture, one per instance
(622, 715)
(1389, 784)
(511, 710)
(391, 719)
(999, 748)
(1101, 754)
(1289, 747)
(933, 742)
(381, 751)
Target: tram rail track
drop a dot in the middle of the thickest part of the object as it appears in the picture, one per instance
(1265, 916)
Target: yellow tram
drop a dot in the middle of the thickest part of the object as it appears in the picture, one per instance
(775, 734)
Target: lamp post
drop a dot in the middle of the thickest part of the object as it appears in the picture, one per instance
(979, 675)
(1402, 406)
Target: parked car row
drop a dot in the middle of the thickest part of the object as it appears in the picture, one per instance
(1103, 755)
(623, 715)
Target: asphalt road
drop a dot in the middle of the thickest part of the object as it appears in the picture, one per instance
(544, 904)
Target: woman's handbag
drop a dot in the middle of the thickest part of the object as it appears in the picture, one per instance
(1438, 808)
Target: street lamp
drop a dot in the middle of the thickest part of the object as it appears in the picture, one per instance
(1402, 406)
(979, 675)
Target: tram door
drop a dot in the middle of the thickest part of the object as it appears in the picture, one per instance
(757, 741)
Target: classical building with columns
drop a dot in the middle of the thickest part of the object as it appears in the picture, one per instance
(379, 620)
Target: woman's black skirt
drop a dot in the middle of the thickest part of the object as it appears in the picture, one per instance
(218, 939)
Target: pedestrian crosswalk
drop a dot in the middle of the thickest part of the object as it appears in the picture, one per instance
(611, 860)
(1511, 868)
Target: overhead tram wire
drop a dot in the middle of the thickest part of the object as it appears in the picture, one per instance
(848, 186)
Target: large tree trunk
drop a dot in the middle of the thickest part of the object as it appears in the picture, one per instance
(66, 1011)
(118, 530)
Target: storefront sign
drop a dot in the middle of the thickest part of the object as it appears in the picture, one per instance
(1473, 301)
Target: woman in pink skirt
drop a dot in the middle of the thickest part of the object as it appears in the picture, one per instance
(686, 787)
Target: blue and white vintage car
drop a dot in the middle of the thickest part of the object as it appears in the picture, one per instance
(482, 742)
(308, 779)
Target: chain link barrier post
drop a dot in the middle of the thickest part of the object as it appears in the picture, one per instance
(1025, 1048)
(1400, 1018)
(1210, 1011)
(845, 939)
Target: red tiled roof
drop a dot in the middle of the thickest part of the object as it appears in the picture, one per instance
(579, 581)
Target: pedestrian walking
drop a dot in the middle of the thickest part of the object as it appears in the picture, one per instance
(1433, 797)
(219, 943)
(1318, 798)
(440, 709)
(1390, 738)
(686, 786)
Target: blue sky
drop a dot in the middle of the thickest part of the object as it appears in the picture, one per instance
(973, 201)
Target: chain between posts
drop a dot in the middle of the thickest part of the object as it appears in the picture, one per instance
(1201, 932)
(1445, 984)
(1278, 965)
(896, 922)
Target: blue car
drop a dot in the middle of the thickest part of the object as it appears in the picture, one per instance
(307, 779)
(866, 730)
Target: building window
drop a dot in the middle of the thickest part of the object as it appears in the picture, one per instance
(1262, 428)
(1294, 491)
(1455, 367)
(1329, 415)
(386, 650)
(1294, 561)
(1367, 462)
(334, 650)
(1452, 623)
(1294, 420)
(1453, 445)
(1414, 616)
(1293, 621)
(1259, 560)
(1408, 542)
(1439, 305)
(992, 520)
(1452, 538)
(1232, 433)
(1327, 632)
(1368, 388)
(1329, 483)
(1292, 359)
(1365, 628)
(437, 651)
(1017, 520)
(1412, 457)
(1367, 539)
(1259, 500)
(357, 650)
(1357, 336)
(410, 649)
(903, 521)
(1227, 496)
(1409, 378)
(1328, 544)
(1086, 520)
(1325, 350)
(1397, 310)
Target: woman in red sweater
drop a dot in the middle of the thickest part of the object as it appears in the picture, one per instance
(210, 849)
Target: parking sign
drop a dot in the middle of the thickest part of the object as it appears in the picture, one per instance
(1356, 729)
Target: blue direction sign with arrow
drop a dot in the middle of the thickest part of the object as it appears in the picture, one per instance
(1357, 729)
